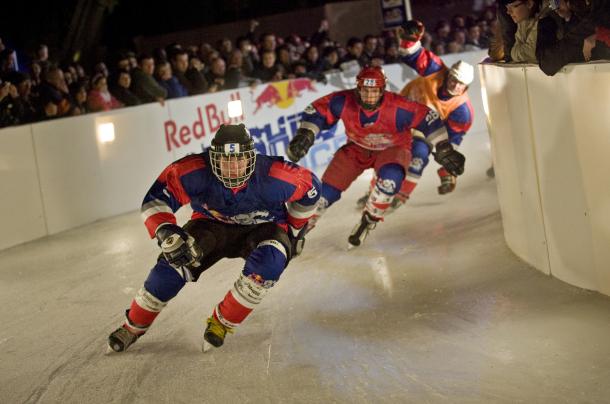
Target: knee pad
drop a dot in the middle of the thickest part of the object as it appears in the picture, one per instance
(330, 194)
(420, 157)
(266, 263)
(389, 178)
(163, 281)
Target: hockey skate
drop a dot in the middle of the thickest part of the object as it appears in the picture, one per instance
(121, 339)
(215, 332)
(361, 230)
(448, 182)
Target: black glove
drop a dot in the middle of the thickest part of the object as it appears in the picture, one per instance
(179, 248)
(297, 240)
(412, 30)
(451, 159)
(300, 144)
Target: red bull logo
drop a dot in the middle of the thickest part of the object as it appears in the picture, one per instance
(282, 93)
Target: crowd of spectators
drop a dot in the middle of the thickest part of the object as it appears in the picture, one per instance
(46, 89)
(551, 33)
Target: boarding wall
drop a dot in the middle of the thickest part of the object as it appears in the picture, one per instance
(551, 152)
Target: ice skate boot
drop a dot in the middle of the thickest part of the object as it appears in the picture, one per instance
(215, 332)
(121, 339)
(361, 230)
(448, 182)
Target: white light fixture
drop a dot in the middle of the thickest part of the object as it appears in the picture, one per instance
(235, 109)
(105, 132)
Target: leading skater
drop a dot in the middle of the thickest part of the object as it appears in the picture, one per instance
(244, 205)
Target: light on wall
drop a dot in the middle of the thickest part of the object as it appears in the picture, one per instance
(235, 109)
(105, 132)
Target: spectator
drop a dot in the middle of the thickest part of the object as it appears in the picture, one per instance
(391, 52)
(101, 68)
(369, 50)
(268, 69)
(236, 76)
(42, 56)
(313, 63)
(165, 78)
(122, 62)
(355, 48)
(189, 77)
(27, 107)
(35, 73)
(7, 62)
(321, 35)
(225, 46)
(49, 109)
(99, 98)
(54, 87)
(10, 109)
(268, 42)
(330, 59)
(249, 55)
(426, 40)
(473, 38)
(79, 92)
(523, 13)
(219, 78)
(284, 60)
(145, 87)
(439, 48)
(121, 89)
(442, 31)
(459, 37)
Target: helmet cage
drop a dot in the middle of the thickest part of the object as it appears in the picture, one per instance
(233, 163)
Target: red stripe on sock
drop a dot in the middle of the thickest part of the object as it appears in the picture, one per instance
(407, 187)
(139, 316)
(232, 310)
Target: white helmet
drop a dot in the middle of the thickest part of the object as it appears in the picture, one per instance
(462, 72)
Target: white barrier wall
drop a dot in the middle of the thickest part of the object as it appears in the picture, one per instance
(551, 149)
(58, 174)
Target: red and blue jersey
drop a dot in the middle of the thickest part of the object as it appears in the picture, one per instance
(388, 125)
(455, 111)
(278, 191)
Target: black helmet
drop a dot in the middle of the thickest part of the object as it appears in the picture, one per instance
(233, 155)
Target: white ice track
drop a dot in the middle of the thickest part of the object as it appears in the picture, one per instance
(433, 308)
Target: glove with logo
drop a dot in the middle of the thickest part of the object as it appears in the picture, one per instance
(178, 247)
(412, 31)
(448, 157)
(300, 144)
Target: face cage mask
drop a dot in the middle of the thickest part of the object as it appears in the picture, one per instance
(369, 107)
(231, 177)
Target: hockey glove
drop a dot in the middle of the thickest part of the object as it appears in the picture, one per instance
(451, 159)
(297, 240)
(178, 247)
(412, 31)
(300, 144)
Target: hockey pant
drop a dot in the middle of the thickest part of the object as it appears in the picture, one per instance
(265, 248)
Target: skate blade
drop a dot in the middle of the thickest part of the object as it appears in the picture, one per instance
(205, 346)
(350, 246)
(109, 350)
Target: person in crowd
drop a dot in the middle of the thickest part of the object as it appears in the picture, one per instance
(217, 76)
(42, 57)
(54, 87)
(245, 205)
(524, 14)
(354, 48)
(473, 38)
(189, 77)
(11, 112)
(313, 63)
(225, 47)
(391, 52)
(79, 90)
(145, 87)
(442, 31)
(7, 62)
(268, 42)
(369, 50)
(268, 70)
(249, 55)
(167, 80)
(330, 59)
(121, 89)
(561, 35)
(26, 100)
(99, 98)
(284, 60)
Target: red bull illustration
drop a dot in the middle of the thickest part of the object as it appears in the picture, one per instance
(282, 93)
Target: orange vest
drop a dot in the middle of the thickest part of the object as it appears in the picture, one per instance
(425, 89)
